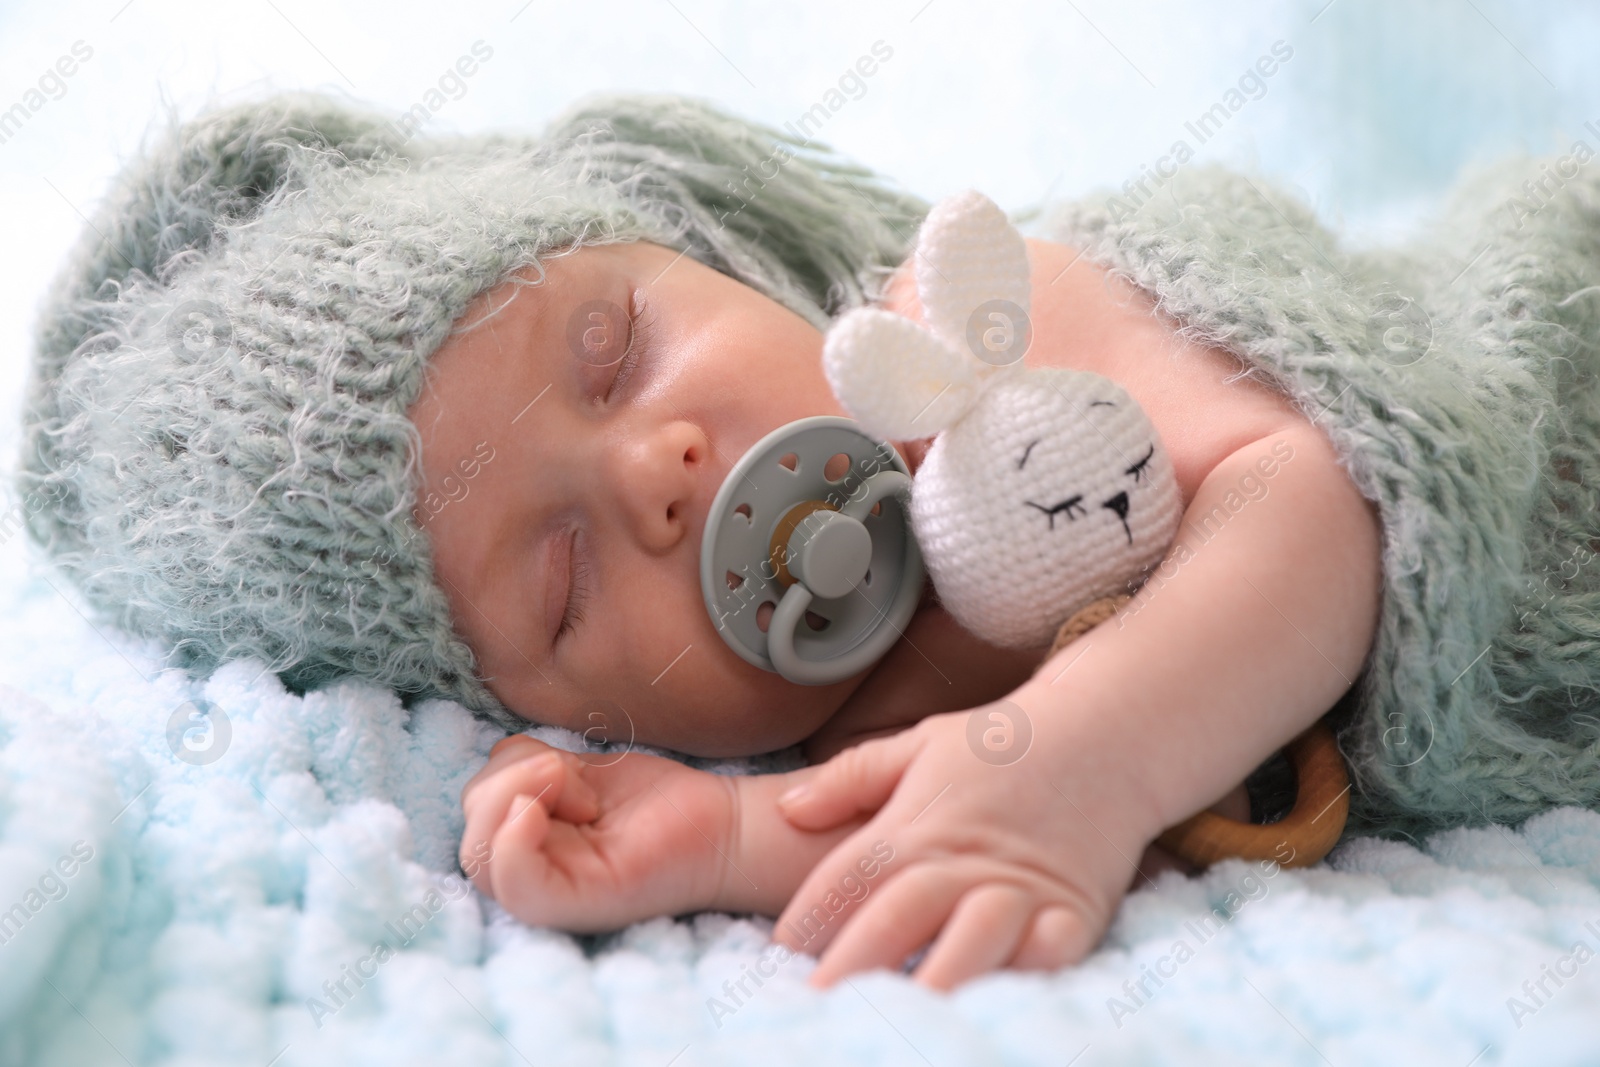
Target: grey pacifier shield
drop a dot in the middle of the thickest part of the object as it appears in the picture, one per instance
(858, 575)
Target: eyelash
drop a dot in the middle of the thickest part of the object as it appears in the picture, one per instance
(640, 325)
(577, 594)
(1139, 467)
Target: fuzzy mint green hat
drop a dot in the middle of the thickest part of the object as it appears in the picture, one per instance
(215, 442)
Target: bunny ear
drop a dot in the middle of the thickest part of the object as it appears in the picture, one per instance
(968, 253)
(893, 376)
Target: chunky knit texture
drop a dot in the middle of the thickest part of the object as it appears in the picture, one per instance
(216, 446)
(1457, 376)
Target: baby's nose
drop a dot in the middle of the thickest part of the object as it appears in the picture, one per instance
(657, 477)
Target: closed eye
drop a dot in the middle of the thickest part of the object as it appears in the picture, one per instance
(1139, 468)
(1074, 501)
(640, 325)
(577, 592)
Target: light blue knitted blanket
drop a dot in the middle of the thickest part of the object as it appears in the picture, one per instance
(291, 903)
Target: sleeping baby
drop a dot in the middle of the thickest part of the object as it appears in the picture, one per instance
(573, 567)
(448, 414)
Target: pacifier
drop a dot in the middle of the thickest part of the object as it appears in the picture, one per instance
(814, 520)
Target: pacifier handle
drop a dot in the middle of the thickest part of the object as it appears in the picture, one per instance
(802, 557)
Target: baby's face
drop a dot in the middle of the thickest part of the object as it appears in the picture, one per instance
(567, 467)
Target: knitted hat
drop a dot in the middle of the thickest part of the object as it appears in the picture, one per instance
(215, 442)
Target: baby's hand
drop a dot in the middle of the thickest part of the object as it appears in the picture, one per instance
(999, 863)
(587, 846)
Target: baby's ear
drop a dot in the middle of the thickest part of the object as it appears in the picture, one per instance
(968, 253)
(893, 376)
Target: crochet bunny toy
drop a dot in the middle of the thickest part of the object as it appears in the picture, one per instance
(1046, 491)
(1046, 496)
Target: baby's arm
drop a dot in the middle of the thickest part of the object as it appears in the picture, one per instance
(1140, 723)
(1259, 619)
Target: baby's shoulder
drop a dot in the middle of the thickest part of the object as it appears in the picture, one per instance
(1085, 318)
(1198, 396)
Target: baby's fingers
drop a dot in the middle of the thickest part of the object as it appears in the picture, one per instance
(856, 781)
(894, 922)
(547, 780)
(981, 935)
(519, 869)
(1056, 937)
(554, 776)
(505, 751)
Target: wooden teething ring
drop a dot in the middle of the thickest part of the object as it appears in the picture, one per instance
(1299, 839)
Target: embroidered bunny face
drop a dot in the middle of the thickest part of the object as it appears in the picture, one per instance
(1044, 490)
(1052, 492)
